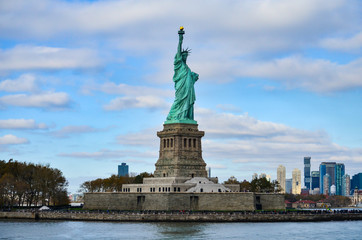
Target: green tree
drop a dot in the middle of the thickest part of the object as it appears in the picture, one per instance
(139, 178)
(26, 183)
(262, 185)
(245, 186)
(112, 184)
(232, 180)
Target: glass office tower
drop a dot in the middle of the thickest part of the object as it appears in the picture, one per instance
(123, 170)
(307, 179)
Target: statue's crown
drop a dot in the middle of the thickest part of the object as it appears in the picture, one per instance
(187, 50)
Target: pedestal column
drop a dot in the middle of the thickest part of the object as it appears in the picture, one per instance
(180, 151)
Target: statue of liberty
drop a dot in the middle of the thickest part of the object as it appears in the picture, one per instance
(182, 110)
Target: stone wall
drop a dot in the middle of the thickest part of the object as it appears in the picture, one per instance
(180, 217)
(270, 201)
(181, 201)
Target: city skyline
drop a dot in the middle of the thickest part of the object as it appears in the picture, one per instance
(85, 85)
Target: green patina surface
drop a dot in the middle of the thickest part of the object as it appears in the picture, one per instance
(188, 121)
(182, 110)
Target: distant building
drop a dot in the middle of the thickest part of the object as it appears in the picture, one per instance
(323, 204)
(123, 170)
(268, 177)
(304, 191)
(288, 204)
(326, 184)
(296, 181)
(324, 168)
(333, 190)
(357, 197)
(304, 204)
(346, 185)
(209, 172)
(315, 191)
(288, 185)
(264, 175)
(356, 181)
(281, 177)
(307, 177)
(315, 180)
(339, 173)
(255, 176)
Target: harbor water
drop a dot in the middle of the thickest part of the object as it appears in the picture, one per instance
(22, 229)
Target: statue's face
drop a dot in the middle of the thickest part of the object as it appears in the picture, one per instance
(184, 56)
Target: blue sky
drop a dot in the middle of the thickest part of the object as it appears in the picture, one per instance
(85, 85)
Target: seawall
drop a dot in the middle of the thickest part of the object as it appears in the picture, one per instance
(182, 217)
(173, 201)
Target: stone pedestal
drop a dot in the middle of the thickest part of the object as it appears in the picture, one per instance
(180, 151)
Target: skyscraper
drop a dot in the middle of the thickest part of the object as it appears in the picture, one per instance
(324, 168)
(281, 178)
(346, 185)
(255, 176)
(123, 170)
(315, 179)
(326, 184)
(356, 181)
(339, 173)
(288, 185)
(296, 181)
(208, 172)
(307, 179)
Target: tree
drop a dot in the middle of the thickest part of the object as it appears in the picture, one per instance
(26, 183)
(245, 186)
(139, 177)
(262, 185)
(111, 184)
(232, 180)
(277, 187)
(338, 201)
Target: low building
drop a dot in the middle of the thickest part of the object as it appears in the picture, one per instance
(357, 197)
(304, 204)
(288, 204)
(323, 204)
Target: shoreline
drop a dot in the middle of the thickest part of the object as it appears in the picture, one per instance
(183, 217)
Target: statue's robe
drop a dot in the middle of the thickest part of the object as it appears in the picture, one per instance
(183, 106)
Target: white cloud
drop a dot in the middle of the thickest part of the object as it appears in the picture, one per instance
(125, 89)
(223, 33)
(46, 58)
(150, 102)
(249, 24)
(109, 154)
(24, 83)
(21, 124)
(345, 44)
(146, 138)
(68, 131)
(315, 75)
(11, 139)
(133, 96)
(55, 100)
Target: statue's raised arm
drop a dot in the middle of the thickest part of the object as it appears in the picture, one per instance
(181, 33)
(182, 110)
